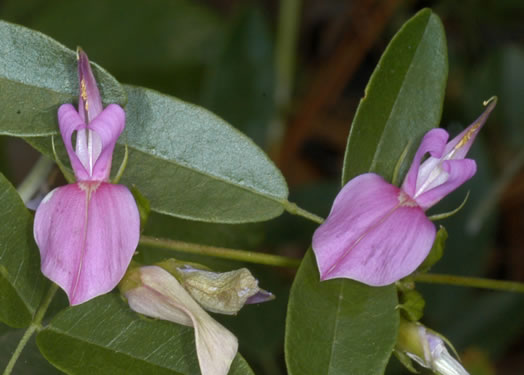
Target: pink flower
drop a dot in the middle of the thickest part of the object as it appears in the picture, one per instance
(87, 232)
(377, 233)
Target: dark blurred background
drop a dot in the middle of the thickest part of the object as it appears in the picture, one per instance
(237, 58)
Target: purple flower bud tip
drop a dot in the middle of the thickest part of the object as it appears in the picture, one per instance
(87, 232)
(260, 297)
(377, 233)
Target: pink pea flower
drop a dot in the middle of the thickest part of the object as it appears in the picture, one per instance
(377, 233)
(88, 231)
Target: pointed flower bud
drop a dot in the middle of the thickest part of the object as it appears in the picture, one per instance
(427, 349)
(377, 233)
(87, 232)
(154, 292)
(223, 293)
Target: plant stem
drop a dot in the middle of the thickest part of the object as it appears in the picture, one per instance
(285, 56)
(282, 261)
(473, 282)
(220, 252)
(34, 326)
(35, 178)
(292, 208)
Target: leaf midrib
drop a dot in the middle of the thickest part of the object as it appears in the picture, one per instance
(378, 149)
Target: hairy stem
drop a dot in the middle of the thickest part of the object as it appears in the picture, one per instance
(473, 282)
(34, 326)
(220, 252)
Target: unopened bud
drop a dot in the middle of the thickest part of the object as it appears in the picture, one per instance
(427, 348)
(223, 293)
(154, 292)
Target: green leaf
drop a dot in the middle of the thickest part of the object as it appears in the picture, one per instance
(162, 44)
(104, 336)
(239, 86)
(403, 99)
(37, 74)
(338, 326)
(21, 283)
(341, 326)
(191, 164)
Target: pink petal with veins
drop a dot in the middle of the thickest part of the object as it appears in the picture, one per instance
(374, 234)
(87, 234)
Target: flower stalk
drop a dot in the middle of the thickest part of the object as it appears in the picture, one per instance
(33, 327)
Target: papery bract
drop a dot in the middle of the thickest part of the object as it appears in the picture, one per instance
(223, 292)
(377, 233)
(87, 232)
(152, 291)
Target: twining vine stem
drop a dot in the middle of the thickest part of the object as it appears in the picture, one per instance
(282, 261)
(473, 282)
(221, 252)
(36, 324)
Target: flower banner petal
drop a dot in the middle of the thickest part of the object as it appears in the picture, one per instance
(374, 234)
(87, 233)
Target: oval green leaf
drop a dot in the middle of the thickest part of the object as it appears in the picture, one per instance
(403, 99)
(104, 336)
(341, 326)
(21, 282)
(191, 164)
(37, 74)
(338, 326)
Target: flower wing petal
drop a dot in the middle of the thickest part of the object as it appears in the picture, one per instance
(372, 235)
(457, 172)
(69, 121)
(87, 233)
(108, 126)
(433, 142)
(161, 296)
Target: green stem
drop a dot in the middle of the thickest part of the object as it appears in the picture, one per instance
(285, 56)
(292, 208)
(220, 252)
(34, 326)
(282, 261)
(473, 282)
(35, 178)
